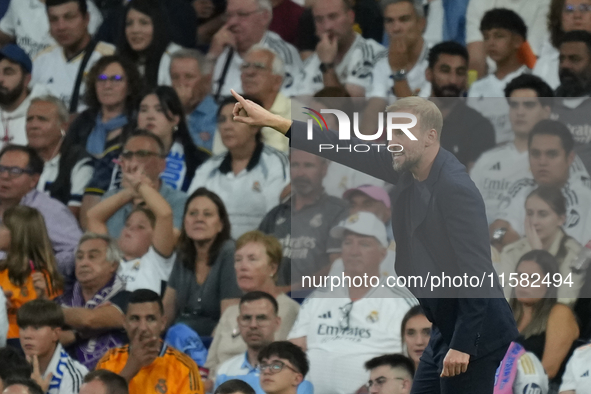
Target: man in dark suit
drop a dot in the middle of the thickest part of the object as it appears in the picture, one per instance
(440, 226)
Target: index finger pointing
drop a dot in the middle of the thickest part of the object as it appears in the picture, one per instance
(238, 97)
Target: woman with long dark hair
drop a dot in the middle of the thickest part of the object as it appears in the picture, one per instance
(547, 328)
(161, 112)
(145, 40)
(203, 281)
(112, 89)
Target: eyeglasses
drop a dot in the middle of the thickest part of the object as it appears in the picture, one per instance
(257, 66)
(113, 78)
(379, 382)
(140, 154)
(346, 311)
(583, 8)
(240, 14)
(275, 366)
(14, 172)
(261, 320)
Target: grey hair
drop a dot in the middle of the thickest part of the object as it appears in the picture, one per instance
(265, 5)
(416, 4)
(114, 254)
(187, 53)
(277, 67)
(62, 111)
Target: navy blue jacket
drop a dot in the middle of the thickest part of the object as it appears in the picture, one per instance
(439, 226)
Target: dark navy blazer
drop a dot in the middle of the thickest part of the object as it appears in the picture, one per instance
(439, 226)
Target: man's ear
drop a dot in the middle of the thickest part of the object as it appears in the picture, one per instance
(297, 379)
(571, 157)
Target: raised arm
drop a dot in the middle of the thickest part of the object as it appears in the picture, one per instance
(163, 238)
(97, 216)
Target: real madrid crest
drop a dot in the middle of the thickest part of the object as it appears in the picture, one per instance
(353, 218)
(316, 221)
(256, 186)
(373, 317)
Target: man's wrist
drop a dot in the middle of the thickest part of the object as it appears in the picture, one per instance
(326, 67)
(281, 124)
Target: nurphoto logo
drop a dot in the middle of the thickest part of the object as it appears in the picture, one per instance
(344, 129)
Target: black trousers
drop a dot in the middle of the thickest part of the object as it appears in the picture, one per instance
(478, 379)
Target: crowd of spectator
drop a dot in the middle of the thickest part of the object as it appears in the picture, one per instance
(151, 244)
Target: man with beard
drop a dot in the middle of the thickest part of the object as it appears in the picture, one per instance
(258, 321)
(575, 86)
(440, 227)
(466, 133)
(15, 96)
(149, 365)
(302, 223)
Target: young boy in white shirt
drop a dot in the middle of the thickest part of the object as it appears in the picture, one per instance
(40, 323)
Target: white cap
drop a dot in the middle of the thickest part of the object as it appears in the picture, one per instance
(363, 223)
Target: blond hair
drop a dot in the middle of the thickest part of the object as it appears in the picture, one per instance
(428, 115)
(30, 247)
(273, 248)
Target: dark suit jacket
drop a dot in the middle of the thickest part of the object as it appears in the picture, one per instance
(439, 226)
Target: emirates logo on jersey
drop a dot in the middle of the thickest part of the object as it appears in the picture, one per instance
(161, 386)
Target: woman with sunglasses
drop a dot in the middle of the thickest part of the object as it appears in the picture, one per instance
(112, 88)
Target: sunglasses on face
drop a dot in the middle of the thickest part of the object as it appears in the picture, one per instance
(113, 78)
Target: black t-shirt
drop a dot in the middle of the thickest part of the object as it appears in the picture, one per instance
(466, 133)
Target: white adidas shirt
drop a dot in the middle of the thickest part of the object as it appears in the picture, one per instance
(547, 65)
(250, 194)
(337, 355)
(383, 82)
(146, 272)
(287, 52)
(27, 21)
(496, 110)
(68, 374)
(356, 68)
(52, 69)
(495, 170)
(13, 123)
(577, 376)
(498, 168)
(577, 192)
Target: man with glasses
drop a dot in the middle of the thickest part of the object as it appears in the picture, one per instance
(145, 152)
(390, 374)
(283, 367)
(262, 78)
(258, 321)
(341, 328)
(20, 169)
(247, 23)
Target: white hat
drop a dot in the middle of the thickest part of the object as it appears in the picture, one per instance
(363, 223)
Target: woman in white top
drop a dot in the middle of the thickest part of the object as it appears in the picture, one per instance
(148, 239)
(545, 215)
(256, 262)
(146, 41)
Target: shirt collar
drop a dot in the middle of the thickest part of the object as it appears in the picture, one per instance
(226, 165)
(246, 364)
